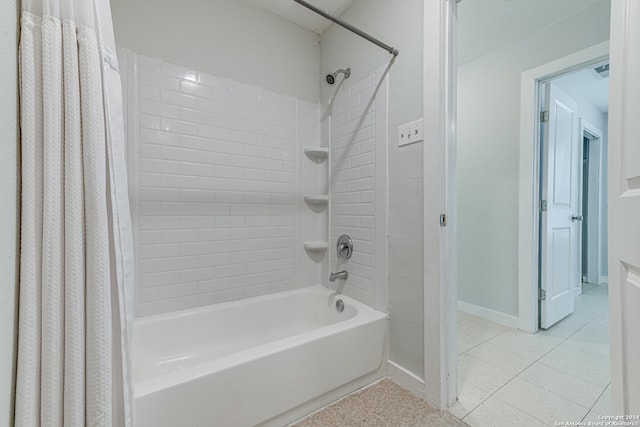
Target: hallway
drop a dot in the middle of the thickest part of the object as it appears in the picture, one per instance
(507, 376)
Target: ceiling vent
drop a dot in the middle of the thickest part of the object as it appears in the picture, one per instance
(601, 71)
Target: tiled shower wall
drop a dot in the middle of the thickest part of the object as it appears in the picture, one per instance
(214, 172)
(358, 185)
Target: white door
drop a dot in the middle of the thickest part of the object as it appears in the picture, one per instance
(559, 269)
(624, 207)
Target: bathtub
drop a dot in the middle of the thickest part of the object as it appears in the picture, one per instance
(246, 362)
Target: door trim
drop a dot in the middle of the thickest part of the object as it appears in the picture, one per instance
(529, 187)
(439, 197)
(594, 255)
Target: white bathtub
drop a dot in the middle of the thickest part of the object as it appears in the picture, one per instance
(247, 362)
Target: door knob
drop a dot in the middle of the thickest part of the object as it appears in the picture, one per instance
(576, 218)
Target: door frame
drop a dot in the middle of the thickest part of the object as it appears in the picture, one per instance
(595, 136)
(439, 197)
(440, 57)
(529, 183)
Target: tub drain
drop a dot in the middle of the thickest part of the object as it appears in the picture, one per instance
(340, 306)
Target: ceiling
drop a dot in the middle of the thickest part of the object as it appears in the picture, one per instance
(488, 25)
(298, 14)
(593, 89)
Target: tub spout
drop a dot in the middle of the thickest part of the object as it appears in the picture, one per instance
(339, 275)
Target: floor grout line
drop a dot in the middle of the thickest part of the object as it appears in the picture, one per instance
(597, 400)
(483, 342)
(565, 339)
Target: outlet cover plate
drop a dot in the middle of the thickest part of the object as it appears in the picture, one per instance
(410, 133)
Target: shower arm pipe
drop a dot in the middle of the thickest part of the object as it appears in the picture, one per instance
(392, 50)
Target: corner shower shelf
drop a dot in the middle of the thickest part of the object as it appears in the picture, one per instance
(316, 246)
(317, 154)
(317, 200)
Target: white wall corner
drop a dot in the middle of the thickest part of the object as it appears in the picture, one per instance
(489, 314)
(406, 379)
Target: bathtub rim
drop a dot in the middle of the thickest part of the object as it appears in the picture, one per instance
(317, 289)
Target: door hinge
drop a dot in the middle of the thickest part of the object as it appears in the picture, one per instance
(544, 116)
(443, 220)
(542, 294)
(543, 205)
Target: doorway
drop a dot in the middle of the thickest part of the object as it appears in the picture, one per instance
(572, 128)
(593, 228)
(507, 368)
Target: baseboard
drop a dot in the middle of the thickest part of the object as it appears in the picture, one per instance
(406, 379)
(489, 314)
(603, 280)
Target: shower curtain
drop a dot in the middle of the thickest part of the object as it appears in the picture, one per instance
(76, 260)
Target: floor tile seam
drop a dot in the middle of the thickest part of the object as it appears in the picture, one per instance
(564, 339)
(566, 373)
(575, 376)
(555, 394)
(511, 379)
(526, 367)
(520, 372)
(483, 342)
(506, 403)
(481, 402)
(529, 414)
(520, 354)
(597, 400)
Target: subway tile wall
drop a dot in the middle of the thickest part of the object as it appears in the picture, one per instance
(353, 185)
(215, 164)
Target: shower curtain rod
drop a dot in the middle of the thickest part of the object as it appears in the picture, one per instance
(392, 50)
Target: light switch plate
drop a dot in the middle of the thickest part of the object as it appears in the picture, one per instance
(410, 133)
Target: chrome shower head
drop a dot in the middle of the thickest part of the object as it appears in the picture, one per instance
(331, 78)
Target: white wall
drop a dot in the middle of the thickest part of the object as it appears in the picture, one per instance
(488, 153)
(8, 202)
(227, 38)
(398, 24)
(214, 179)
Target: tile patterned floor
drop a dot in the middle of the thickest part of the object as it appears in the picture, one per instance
(509, 377)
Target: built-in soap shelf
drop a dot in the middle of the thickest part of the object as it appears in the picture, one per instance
(317, 200)
(316, 245)
(316, 203)
(317, 154)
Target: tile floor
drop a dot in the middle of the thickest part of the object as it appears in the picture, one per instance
(509, 377)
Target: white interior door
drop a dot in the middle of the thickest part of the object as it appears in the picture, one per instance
(559, 269)
(624, 207)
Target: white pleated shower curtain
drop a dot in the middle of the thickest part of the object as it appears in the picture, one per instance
(76, 259)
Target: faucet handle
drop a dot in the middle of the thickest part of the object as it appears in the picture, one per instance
(344, 250)
(344, 247)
